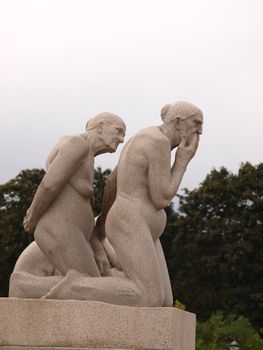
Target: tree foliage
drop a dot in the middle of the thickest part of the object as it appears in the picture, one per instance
(217, 261)
(100, 179)
(15, 198)
(168, 235)
(219, 331)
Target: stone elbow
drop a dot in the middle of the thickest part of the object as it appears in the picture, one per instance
(49, 187)
(161, 203)
(166, 203)
(161, 199)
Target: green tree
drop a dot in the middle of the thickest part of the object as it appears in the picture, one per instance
(100, 179)
(15, 198)
(217, 261)
(218, 332)
(168, 235)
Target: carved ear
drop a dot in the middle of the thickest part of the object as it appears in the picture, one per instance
(165, 110)
(87, 125)
(177, 123)
(99, 128)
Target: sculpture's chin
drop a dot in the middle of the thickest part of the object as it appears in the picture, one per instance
(113, 148)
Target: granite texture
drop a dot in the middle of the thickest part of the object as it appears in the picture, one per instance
(61, 215)
(49, 348)
(71, 257)
(88, 324)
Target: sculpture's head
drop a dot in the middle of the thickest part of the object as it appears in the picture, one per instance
(110, 129)
(182, 117)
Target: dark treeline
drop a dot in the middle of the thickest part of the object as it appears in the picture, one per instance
(15, 198)
(213, 243)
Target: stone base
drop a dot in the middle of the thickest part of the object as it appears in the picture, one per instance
(65, 324)
(48, 348)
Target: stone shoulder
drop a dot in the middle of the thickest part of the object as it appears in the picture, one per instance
(73, 141)
(152, 137)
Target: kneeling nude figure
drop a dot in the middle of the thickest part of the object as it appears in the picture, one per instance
(61, 216)
(133, 217)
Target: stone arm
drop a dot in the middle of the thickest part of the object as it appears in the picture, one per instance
(99, 253)
(164, 181)
(103, 251)
(67, 160)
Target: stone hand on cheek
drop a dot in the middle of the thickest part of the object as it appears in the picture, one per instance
(186, 132)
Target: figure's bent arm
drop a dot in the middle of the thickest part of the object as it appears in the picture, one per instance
(163, 181)
(68, 159)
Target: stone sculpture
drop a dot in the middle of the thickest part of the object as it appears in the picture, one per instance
(61, 216)
(130, 224)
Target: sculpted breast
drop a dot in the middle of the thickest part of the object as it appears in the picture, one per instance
(82, 179)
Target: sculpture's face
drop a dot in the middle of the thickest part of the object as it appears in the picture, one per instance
(193, 125)
(113, 134)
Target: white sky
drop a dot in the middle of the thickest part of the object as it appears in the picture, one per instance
(63, 61)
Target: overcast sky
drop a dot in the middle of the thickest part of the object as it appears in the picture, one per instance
(63, 61)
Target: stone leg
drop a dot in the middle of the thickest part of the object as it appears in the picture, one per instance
(115, 290)
(26, 285)
(67, 248)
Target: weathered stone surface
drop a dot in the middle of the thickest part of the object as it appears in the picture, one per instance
(69, 255)
(88, 324)
(61, 215)
(48, 348)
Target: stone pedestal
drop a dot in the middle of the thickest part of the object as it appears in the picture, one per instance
(70, 324)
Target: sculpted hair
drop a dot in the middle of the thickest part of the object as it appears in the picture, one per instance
(181, 110)
(105, 117)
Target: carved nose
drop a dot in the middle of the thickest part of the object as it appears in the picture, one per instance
(200, 131)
